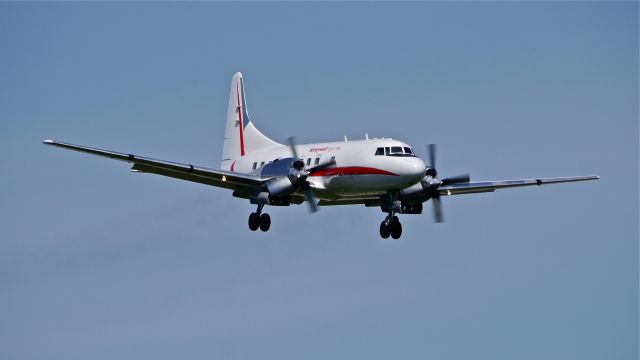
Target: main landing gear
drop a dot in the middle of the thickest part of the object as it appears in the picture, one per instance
(259, 220)
(391, 226)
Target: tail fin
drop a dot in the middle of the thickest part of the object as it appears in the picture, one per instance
(240, 136)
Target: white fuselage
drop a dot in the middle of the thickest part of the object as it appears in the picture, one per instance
(358, 171)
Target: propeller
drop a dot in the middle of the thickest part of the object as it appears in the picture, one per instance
(433, 183)
(292, 146)
(309, 198)
(301, 175)
(431, 151)
(437, 209)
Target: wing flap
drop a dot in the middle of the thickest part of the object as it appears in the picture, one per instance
(185, 175)
(490, 186)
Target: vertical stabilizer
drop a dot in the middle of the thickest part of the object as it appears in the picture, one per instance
(240, 136)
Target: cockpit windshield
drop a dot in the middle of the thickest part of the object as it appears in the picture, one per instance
(394, 151)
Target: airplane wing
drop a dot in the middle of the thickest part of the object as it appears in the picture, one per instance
(490, 186)
(203, 175)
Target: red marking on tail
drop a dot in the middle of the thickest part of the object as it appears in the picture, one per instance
(240, 119)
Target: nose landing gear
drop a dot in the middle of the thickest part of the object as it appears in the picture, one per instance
(259, 220)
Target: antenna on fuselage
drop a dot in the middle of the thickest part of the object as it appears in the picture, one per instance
(366, 136)
(345, 138)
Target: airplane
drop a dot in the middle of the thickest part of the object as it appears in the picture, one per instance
(378, 172)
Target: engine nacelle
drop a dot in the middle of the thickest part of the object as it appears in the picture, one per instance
(420, 191)
(264, 198)
(414, 193)
(411, 208)
(280, 200)
(405, 208)
(279, 167)
(281, 186)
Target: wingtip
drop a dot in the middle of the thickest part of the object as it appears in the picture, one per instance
(48, 141)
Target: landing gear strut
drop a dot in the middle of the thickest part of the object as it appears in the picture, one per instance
(259, 220)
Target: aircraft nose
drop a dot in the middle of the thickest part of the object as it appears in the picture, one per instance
(415, 168)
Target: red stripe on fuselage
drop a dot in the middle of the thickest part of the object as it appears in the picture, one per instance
(241, 125)
(351, 170)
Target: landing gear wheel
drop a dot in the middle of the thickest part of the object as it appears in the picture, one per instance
(396, 229)
(254, 221)
(385, 231)
(265, 222)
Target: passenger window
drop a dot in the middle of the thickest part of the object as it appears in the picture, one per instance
(380, 151)
(317, 161)
(254, 165)
(309, 162)
(386, 151)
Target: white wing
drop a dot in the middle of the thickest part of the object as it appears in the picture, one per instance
(199, 174)
(490, 186)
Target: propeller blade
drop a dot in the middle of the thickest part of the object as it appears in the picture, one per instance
(465, 178)
(311, 200)
(292, 145)
(437, 209)
(431, 152)
(321, 166)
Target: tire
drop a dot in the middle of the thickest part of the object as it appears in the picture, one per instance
(384, 230)
(254, 221)
(396, 230)
(265, 222)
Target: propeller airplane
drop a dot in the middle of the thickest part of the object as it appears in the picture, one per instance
(384, 173)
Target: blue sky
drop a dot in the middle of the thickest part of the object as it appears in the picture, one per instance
(97, 262)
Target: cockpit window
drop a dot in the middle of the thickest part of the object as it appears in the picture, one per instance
(396, 150)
